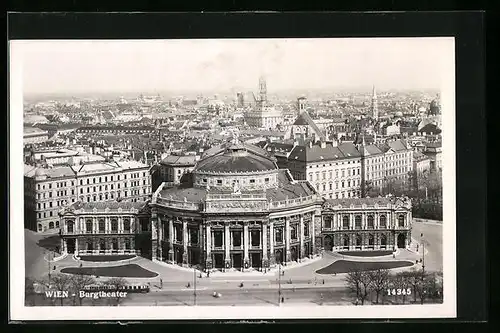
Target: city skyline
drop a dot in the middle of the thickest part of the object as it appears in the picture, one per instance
(230, 65)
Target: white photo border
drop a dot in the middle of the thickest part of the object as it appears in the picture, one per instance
(20, 312)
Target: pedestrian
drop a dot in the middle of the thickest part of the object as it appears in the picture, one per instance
(282, 299)
(161, 283)
(323, 281)
(208, 273)
(393, 256)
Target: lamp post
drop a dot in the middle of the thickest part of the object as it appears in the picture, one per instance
(194, 284)
(48, 263)
(279, 284)
(423, 255)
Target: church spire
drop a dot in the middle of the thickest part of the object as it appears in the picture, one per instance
(374, 104)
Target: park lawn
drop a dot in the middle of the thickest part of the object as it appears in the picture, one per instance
(102, 258)
(345, 266)
(366, 253)
(130, 271)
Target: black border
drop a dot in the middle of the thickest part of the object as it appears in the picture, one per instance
(466, 27)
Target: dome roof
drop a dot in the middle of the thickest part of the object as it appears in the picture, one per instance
(236, 158)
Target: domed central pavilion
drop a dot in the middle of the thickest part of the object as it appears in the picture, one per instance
(238, 211)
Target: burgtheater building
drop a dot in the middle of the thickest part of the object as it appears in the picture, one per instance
(237, 211)
(240, 211)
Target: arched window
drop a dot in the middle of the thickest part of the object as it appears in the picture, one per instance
(293, 232)
(126, 225)
(114, 244)
(371, 240)
(114, 225)
(40, 228)
(51, 225)
(102, 244)
(70, 224)
(345, 240)
(383, 221)
(401, 220)
(345, 222)
(88, 226)
(127, 244)
(359, 240)
(383, 240)
(193, 236)
(57, 224)
(369, 222)
(102, 226)
(357, 221)
(328, 222)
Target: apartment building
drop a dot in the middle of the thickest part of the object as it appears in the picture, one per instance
(49, 189)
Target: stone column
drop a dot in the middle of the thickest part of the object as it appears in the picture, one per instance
(272, 258)
(76, 245)
(160, 237)
(288, 255)
(171, 241)
(154, 235)
(312, 230)
(227, 244)
(184, 243)
(200, 236)
(301, 235)
(265, 261)
(63, 245)
(246, 244)
(208, 260)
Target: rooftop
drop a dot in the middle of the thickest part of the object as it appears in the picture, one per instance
(236, 159)
(179, 160)
(317, 153)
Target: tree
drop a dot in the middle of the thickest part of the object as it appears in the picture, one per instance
(379, 280)
(398, 285)
(353, 281)
(365, 284)
(115, 285)
(78, 283)
(414, 280)
(60, 282)
(369, 190)
(29, 292)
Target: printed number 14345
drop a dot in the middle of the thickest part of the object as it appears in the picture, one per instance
(398, 292)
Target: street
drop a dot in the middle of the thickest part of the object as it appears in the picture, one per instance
(433, 240)
(34, 263)
(249, 297)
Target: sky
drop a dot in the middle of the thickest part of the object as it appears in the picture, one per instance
(224, 64)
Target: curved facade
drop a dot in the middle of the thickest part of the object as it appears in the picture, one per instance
(241, 212)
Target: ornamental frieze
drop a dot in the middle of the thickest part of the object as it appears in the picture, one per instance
(235, 205)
